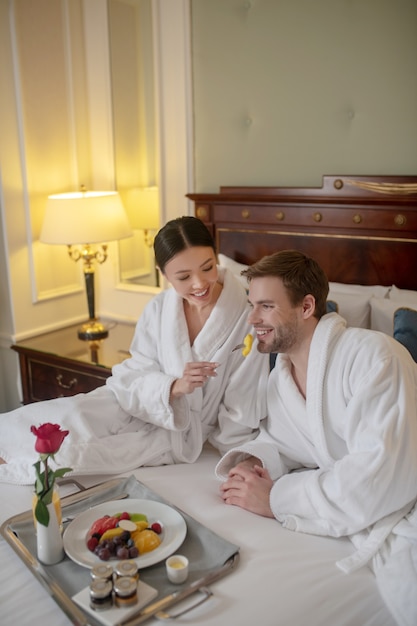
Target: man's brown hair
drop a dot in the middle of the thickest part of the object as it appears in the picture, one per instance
(301, 275)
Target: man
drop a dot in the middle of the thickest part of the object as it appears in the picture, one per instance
(342, 409)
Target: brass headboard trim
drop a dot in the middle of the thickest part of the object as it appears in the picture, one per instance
(308, 234)
(387, 188)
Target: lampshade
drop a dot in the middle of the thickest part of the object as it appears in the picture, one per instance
(142, 204)
(85, 217)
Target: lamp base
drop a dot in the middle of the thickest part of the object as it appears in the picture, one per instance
(92, 330)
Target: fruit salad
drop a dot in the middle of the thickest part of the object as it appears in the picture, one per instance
(123, 536)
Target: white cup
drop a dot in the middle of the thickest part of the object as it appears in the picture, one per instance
(177, 568)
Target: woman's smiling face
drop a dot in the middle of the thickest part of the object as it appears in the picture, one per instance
(193, 274)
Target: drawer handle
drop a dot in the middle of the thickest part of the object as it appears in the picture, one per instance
(280, 215)
(357, 219)
(70, 385)
(400, 220)
(317, 217)
(245, 214)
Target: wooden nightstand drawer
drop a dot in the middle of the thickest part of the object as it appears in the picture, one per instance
(47, 381)
(59, 364)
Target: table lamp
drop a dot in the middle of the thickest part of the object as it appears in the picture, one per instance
(80, 220)
(142, 204)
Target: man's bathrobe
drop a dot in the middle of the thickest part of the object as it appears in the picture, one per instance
(129, 422)
(354, 439)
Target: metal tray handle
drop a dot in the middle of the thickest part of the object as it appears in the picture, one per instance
(156, 608)
(206, 594)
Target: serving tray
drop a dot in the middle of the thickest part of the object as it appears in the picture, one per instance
(211, 557)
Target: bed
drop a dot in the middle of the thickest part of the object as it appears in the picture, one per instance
(363, 230)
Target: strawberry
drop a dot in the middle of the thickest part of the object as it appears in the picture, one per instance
(92, 543)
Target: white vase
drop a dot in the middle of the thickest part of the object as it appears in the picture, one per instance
(49, 542)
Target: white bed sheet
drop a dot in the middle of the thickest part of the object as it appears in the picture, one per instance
(283, 578)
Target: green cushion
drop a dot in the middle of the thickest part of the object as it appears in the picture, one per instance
(405, 329)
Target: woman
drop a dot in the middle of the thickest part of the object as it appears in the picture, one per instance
(182, 386)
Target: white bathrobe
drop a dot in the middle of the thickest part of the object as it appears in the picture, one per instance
(355, 440)
(129, 422)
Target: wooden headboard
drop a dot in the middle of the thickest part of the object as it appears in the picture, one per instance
(361, 229)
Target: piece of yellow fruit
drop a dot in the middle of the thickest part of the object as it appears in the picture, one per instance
(247, 344)
(111, 533)
(146, 540)
(141, 526)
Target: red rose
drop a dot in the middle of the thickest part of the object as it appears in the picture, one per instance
(49, 438)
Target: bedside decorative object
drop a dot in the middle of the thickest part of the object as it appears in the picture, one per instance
(79, 220)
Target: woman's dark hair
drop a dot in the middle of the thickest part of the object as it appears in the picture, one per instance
(301, 275)
(178, 235)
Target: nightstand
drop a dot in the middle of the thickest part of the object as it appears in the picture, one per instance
(59, 364)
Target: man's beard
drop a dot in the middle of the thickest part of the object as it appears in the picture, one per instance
(285, 338)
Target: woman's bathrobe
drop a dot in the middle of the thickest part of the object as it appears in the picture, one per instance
(355, 440)
(129, 422)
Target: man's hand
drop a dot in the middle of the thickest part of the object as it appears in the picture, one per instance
(248, 486)
(195, 375)
(248, 463)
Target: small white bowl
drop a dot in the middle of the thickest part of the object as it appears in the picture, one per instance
(177, 568)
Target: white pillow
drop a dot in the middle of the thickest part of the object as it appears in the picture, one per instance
(371, 290)
(234, 267)
(355, 308)
(382, 314)
(406, 296)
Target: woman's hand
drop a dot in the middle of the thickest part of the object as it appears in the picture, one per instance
(248, 486)
(195, 375)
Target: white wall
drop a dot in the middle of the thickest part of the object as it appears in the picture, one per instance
(286, 91)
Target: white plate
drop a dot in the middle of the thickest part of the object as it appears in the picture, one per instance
(173, 533)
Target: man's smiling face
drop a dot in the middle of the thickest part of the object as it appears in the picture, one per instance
(275, 319)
